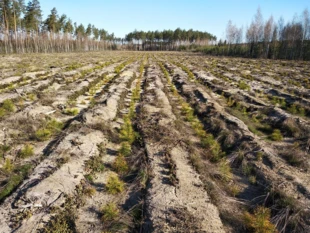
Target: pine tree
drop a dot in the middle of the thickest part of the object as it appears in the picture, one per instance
(95, 32)
(51, 23)
(33, 16)
(89, 30)
(68, 28)
(80, 31)
(62, 23)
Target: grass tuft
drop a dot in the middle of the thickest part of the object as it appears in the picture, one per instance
(48, 129)
(26, 152)
(109, 212)
(114, 185)
(259, 222)
(43, 134)
(120, 165)
(8, 165)
(19, 174)
(9, 106)
(225, 170)
(276, 135)
(94, 164)
(71, 111)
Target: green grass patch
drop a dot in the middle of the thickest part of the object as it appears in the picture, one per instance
(73, 66)
(90, 178)
(127, 132)
(4, 149)
(8, 165)
(276, 135)
(43, 134)
(186, 70)
(109, 212)
(19, 174)
(120, 67)
(2, 112)
(242, 85)
(254, 124)
(71, 111)
(114, 185)
(259, 222)
(48, 129)
(9, 106)
(225, 170)
(125, 149)
(120, 165)
(26, 151)
(207, 141)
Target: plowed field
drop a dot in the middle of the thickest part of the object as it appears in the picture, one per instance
(153, 142)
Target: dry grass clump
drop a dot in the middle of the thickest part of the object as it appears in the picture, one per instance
(292, 128)
(62, 160)
(288, 213)
(94, 164)
(196, 162)
(183, 221)
(225, 170)
(63, 221)
(89, 191)
(172, 169)
(294, 156)
(46, 98)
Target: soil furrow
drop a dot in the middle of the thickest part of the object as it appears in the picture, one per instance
(266, 175)
(170, 201)
(153, 142)
(72, 154)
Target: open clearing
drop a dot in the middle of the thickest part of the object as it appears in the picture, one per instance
(153, 142)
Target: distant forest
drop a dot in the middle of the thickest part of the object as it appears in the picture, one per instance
(23, 30)
(267, 39)
(168, 39)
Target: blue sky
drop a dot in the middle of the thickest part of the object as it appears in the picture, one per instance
(123, 16)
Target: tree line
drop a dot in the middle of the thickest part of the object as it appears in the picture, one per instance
(267, 39)
(167, 39)
(22, 30)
